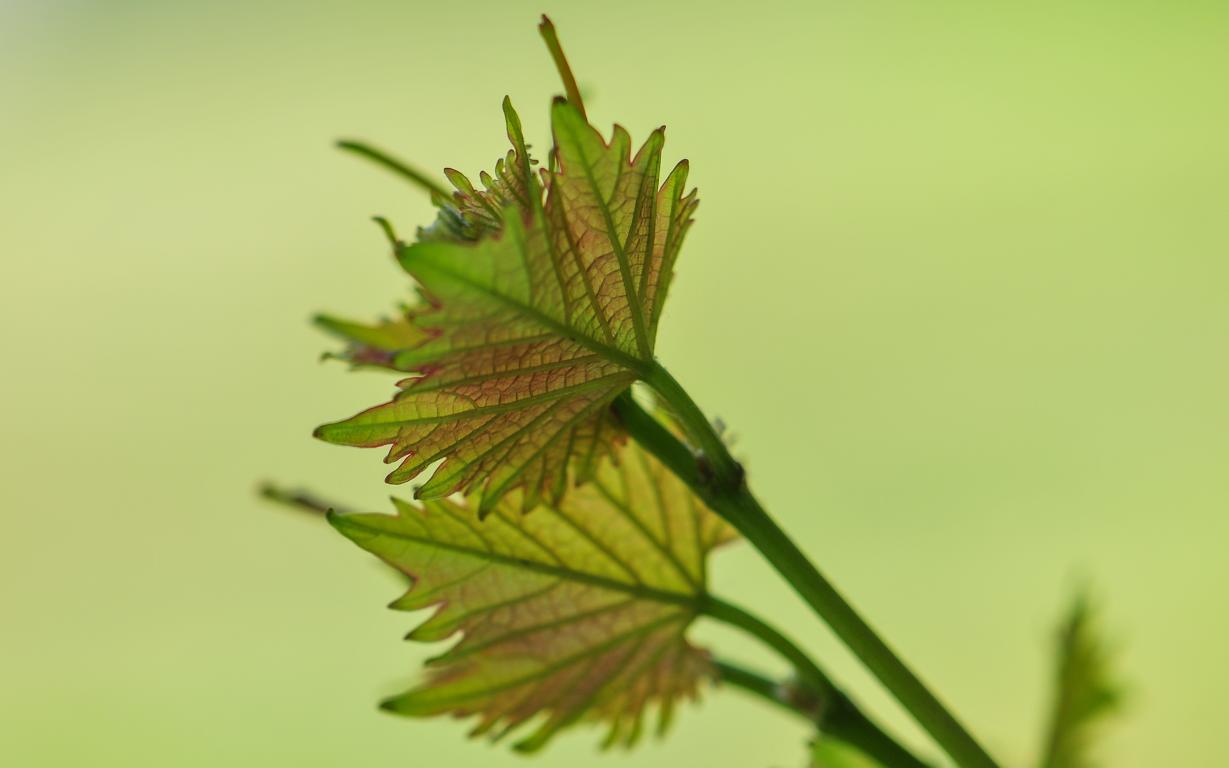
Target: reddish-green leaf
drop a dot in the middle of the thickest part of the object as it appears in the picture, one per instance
(574, 612)
(542, 296)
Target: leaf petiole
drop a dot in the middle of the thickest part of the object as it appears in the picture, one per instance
(399, 167)
(720, 482)
(844, 723)
(829, 708)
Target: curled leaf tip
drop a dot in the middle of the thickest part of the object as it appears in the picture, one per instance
(388, 230)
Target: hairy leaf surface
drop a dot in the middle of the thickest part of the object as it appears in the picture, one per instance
(576, 611)
(542, 294)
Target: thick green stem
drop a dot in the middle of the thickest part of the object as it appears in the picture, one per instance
(816, 698)
(718, 479)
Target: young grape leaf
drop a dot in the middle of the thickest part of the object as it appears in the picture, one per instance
(1085, 690)
(577, 611)
(541, 302)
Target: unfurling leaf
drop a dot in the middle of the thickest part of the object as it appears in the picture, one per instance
(542, 294)
(1086, 691)
(576, 611)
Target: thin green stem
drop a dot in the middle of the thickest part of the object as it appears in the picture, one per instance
(815, 697)
(807, 670)
(854, 730)
(753, 682)
(300, 499)
(402, 169)
(719, 480)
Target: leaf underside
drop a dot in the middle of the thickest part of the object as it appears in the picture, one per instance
(574, 612)
(540, 300)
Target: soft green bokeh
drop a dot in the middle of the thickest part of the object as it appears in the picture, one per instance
(959, 284)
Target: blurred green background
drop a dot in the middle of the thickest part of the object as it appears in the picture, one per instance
(959, 284)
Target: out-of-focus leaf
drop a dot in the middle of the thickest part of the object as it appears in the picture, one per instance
(576, 611)
(1086, 690)
(541, 302)
(376, 344)
(830, 753)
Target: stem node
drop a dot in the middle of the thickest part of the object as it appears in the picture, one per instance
(720, 481)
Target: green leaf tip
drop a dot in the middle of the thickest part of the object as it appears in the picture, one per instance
(387, 228)
(547, 29)
(516, 133)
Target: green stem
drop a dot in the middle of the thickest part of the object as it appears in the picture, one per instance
(399, 167)
(753, 682)
(718, 479)
(300, 499)
(807, 670)
(818, 699)
(855, 731)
